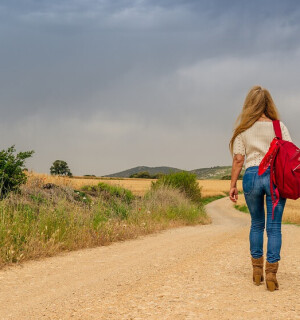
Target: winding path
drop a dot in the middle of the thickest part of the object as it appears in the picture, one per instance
(198, 272)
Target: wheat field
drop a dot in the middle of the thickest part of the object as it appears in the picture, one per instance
(216, 187)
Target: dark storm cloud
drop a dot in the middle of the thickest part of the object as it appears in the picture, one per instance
(145, 82)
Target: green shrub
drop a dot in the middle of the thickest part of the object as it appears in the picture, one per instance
(146, 175)
(142, 174)
(242, 208)
(117, 209)
(158, 175)
(82, 196)
(12, 173)
(109, 191)
(186, 182)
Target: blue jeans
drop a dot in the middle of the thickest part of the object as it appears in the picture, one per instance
(255, 188)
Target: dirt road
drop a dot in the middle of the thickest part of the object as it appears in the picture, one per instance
(200, 272)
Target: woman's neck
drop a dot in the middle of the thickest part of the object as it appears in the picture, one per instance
(264, 118)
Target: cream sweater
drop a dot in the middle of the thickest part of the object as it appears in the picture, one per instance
(255, 141)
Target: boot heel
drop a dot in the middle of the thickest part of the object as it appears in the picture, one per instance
(270, 286)
(257, 280)
(257, 264)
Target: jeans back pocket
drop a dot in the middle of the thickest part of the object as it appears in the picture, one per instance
(248, 181)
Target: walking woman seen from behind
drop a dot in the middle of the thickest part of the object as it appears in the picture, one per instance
(251, 140)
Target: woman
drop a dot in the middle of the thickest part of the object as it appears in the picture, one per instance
(251, 138)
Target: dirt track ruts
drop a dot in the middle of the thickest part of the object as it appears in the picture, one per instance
(199, 272)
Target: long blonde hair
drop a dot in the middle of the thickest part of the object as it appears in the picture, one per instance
(258, 102)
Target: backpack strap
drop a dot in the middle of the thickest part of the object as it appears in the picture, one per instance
(275, 199)
(277, 129)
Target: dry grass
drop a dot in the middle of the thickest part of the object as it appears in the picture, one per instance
(41, 222)
(291, 213)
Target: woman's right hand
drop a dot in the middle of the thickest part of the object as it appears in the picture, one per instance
(233, 194)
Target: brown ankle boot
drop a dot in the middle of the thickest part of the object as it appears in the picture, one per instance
(271, 281)
(258, 274)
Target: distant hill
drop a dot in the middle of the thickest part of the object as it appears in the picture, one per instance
(203, 173)
(213, 172)
(151, 170)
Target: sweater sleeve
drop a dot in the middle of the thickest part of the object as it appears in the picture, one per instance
(285, 132)
(238, 145)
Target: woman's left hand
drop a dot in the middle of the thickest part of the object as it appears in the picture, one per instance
(233, 194)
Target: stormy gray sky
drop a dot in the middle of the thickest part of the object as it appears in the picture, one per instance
(111, 84)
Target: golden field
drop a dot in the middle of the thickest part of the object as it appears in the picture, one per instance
(140, 186)
(291, 213)
(136, 185)
(216, 187)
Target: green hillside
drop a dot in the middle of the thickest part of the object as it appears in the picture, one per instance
(211, 173)
(203, 173)
(151, 170)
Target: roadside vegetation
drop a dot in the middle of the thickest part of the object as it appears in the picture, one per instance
(207, 200)
(241, 207)
(184, 181)
(12, 170)
(43, 219)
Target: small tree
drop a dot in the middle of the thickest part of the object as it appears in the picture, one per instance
(12, 170)
(141, 174)
(61, 168)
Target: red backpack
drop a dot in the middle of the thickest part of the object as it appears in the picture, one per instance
(284, 158)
